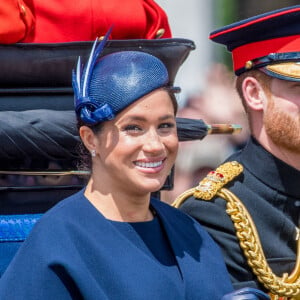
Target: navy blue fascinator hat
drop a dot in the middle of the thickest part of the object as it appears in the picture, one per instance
(109, 84)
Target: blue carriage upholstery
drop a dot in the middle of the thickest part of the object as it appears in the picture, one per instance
(14, 230)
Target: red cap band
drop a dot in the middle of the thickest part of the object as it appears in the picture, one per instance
(242, 54)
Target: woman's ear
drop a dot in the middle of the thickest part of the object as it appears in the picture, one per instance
(88, 137)
(254, 93)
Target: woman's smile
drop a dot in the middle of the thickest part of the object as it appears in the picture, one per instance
(150, 166)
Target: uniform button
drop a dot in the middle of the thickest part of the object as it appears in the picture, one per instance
(160, 32)
(249, 64)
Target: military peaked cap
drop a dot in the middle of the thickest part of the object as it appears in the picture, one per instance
(269, 42)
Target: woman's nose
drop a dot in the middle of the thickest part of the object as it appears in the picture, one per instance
(153, 142)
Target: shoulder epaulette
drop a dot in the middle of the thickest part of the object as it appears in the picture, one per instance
(215, 180)
(212, 183)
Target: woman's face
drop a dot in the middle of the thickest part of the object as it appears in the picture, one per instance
(137, 149)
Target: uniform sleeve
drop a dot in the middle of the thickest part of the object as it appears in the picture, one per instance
(157, 21)
(16, 21)
(213, 217)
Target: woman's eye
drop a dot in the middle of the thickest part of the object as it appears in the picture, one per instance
(132, 128)
(167, 125)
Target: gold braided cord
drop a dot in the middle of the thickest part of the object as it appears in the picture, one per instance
(184, 196)
(285, 286)
(214, 181)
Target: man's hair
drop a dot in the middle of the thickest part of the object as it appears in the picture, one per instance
(261, 77)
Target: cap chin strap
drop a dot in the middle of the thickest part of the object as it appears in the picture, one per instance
(270, 59)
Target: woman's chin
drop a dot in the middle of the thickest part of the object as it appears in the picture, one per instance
(152, 186)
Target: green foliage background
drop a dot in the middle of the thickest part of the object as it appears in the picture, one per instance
(229, 11)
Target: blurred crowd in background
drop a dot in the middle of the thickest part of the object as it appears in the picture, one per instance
(217, 103)
(207, 82)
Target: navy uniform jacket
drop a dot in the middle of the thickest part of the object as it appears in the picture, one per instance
(270, 190)
(73, 252)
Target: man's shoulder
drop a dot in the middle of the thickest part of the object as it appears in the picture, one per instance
(211, 185)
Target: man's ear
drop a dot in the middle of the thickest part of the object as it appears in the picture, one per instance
(254, 93)
(88, 137)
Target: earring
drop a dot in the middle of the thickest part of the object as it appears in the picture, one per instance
(93, 153)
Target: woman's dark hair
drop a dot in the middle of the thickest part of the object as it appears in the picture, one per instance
(262, 78)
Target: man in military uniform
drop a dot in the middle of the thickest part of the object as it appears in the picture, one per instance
(250, 204)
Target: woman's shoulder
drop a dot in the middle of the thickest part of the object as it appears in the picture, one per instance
(62, 211)
(65, 204)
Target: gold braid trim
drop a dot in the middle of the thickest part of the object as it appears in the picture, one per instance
(214, 181)
(184, 196)
(285, 287)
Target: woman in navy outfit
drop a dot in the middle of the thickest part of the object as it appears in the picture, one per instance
(112, 240)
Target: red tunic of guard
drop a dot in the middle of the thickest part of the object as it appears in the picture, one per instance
(57, 21)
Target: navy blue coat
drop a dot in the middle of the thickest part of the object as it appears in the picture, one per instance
(270, 190)
(73, 252)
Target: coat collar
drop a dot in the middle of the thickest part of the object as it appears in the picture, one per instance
(269, 169)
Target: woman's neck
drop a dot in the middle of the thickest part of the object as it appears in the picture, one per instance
(119, 206)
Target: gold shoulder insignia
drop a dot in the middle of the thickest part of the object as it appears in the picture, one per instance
(212, 183)
(215, 180)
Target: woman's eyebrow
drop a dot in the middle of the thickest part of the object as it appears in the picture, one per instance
(142, 118)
